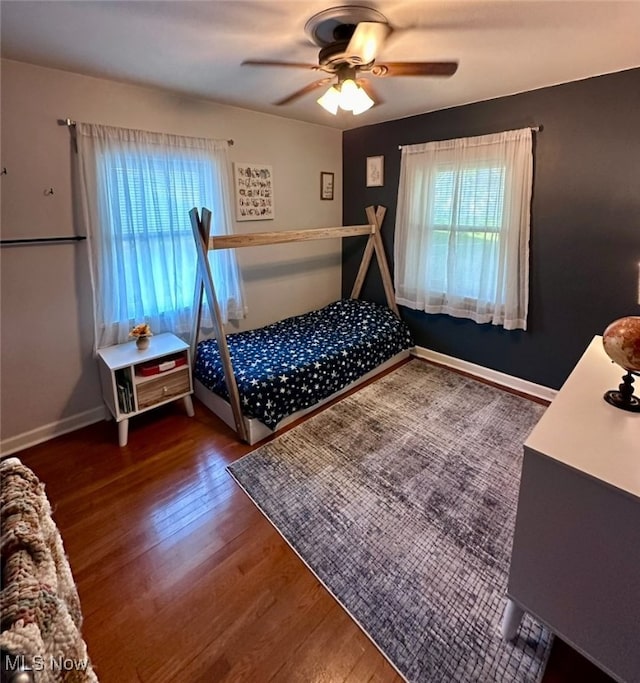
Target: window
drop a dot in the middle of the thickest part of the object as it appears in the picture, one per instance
(138, 189)
(462, 228)
(148, 204)
(466, 217)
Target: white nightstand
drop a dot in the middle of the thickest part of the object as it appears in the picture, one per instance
(135, 381)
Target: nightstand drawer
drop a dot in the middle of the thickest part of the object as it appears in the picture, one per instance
(163, 388)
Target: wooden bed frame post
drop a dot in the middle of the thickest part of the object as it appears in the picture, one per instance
(204, 229)
(201, 230)
(374, 243)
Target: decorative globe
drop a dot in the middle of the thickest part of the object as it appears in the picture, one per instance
(621, 342)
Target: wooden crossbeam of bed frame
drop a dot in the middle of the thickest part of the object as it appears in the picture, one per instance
(262, 238)
(205, 284)
(374, 245)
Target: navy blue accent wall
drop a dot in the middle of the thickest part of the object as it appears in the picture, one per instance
(585, 219)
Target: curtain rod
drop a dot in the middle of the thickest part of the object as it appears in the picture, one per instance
(535, 129)
(70, 123)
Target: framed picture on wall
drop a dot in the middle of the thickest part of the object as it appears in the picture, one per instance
(254, 192)
(326, 185)
(375, 171)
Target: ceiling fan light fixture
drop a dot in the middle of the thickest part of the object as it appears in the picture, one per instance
(362, 102)
(350, 38)
(330, 100)
(347, 96)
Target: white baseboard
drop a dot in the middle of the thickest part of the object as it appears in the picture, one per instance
(500, 378)
(51, 430)
(69, 424)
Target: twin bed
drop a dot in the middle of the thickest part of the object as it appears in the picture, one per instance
(259, 381)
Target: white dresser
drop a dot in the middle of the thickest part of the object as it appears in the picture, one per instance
(575, 563)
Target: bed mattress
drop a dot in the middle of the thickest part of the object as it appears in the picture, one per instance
(295, 363)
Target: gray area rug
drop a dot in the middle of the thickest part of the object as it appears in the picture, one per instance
(402, 500)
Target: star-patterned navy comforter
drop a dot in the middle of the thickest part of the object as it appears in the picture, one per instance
(292, 364)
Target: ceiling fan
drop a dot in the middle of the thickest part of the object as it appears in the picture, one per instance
(350, 39)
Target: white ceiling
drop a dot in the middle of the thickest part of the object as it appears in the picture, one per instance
(502, 46)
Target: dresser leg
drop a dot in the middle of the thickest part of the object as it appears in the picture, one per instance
(123, 432)
(188, 406)
(511, 620)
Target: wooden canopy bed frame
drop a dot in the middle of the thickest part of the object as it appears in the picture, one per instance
(250, 429)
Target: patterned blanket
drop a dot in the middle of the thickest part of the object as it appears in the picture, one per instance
(39, 602)
(295, 363)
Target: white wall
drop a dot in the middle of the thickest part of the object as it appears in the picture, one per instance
(49, 379)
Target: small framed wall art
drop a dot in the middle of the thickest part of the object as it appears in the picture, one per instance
(326, 185)
(254, 192)
(375, 171)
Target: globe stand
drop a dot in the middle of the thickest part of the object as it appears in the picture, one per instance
(623, 397)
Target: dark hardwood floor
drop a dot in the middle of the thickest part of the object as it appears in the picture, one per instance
(182, 579)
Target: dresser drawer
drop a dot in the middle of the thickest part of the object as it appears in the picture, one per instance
(163, 388)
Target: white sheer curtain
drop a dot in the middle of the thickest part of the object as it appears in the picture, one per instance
(462, 228)
(137, 189)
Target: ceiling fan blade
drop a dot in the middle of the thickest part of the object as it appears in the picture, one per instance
(367, 39)
(370, 90)
(269, 62)
(304, 91)
(415, 69)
